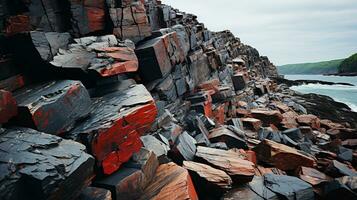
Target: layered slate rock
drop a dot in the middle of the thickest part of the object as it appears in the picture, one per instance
(130, 181)
(215, 181)
(154, 61)
(310, 120)
(282, 156)
(101, 56)
(116, 122)
(129, 19)
(289, 187)
(313, 176)
(171, 182)
(240, 170)
(52, 107)
(227, 136)
(8, 106)
(267, 116)
(184, 147)
(42, 166)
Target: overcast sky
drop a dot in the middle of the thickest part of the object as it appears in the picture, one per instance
(287, 31)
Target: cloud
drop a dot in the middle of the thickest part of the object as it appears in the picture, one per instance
(287, 31)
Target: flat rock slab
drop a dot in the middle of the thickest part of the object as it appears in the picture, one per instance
(313, 176)
(130, 181)
(282, 156)
(52, 107)
(215, 181)
(267, 116)
(8, 106)
(310, 120)
(227, 136)
(185, 147)
(171, 182)
(42, 166)
(116, 122)
(289, 187)
(241, 171)
(337, 169)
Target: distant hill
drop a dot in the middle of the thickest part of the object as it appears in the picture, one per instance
(349, 65)
(325, 67)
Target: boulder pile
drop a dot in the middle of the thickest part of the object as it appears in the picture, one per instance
(133, 99)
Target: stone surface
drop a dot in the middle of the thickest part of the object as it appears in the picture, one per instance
(310, 120)
(267, 117)
(52, 107)
(171, 182)
(8, 106)
(93, 193)
(252, 123)
(216, 181)
(282, 156)
(227, 136)
(313, 176)
(240, 170)
(116, 122)
(42, 166)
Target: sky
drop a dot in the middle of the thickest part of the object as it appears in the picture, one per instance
(287, 31)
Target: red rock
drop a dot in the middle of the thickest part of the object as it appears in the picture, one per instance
(313, 176)
(210, 85)
(171, 182)
(328, 124)
(17, 24)
(13, 83)
(252, 123)
(268, 116)
(282, 156)
(113, 130)
(241, 171)
(310, 120)
(219, 114)
(93, 193)
(289, 120)
(261, 171)
(243, 113)
(52, 107)
(215, 181)
(8, 106)
(173, 48)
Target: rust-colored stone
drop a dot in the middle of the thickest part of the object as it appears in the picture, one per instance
(268, 116)
(252, 123)
(8, 106)
(240, 170)
(171, 182)
(313, 176)
(310, 120)
(282, 156)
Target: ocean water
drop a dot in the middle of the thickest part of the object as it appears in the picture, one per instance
(340, 93)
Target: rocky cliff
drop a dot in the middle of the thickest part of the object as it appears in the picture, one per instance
(133, 99)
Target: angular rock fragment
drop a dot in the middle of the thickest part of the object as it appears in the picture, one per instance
(130, 181)
(252, 123)
(116, 122)
(171, 182)
(154, 62)
(267, 116)
(13, 83)
(8, 106)
(215, 181)
(52, 107)
(227, 136)
(93, 193)
(282, 156)
(310, 120)
(153, 144)
(289, 187)
(241, 171)
(42, 166)
(337, 169)
(239, 81)
(258, 186)
(313, 176)
(185, 147)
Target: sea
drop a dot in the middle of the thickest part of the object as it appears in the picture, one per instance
(340, 93)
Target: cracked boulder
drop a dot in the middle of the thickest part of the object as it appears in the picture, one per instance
(113, 129)
(52, 107)
(42, 166)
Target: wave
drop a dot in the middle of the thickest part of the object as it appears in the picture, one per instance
(326, 87)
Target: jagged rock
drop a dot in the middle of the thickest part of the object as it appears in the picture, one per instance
(239, 82)
(93, 193)
(171, 182)
(258, 186)
(154, 62)
(289, 187)
(52, 107)
(267, 116)
(337, 169)
(313, 176)
(8, 106)
(252, 123)
(215, 181)
(153, 144)
(167, 90)
(310, 120)
(42, 166)
(130, 181)
(282, 156)
(112, 132)
(227, 136)
(240, 170)
(185, 147)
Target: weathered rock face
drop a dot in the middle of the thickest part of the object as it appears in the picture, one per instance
(42, 166)
(52, 107)
(115, 125)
